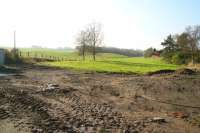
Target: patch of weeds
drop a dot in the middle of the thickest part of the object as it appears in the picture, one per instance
(103, 130)
(195, 120)
(115, 93)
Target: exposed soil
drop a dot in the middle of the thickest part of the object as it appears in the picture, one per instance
(185, 71)
(52, 100)
(161, 72)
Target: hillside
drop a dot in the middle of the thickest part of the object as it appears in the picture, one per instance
(105, 62)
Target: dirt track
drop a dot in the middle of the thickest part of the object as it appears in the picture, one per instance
(51, 100)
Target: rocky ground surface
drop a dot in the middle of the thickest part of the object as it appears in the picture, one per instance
(50, 100)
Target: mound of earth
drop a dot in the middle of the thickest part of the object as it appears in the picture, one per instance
(185, 71)
(161, 72)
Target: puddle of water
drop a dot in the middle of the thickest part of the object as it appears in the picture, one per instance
(5, 74)
(2, 75)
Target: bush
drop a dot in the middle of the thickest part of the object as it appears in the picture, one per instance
(180, 58)
(149, 52)
(12, 57)
(167, 56)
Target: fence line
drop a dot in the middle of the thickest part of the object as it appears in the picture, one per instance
(36, 55)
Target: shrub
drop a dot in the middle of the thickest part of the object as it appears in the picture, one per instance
(167, 56)
(149, 52)
(180, 58)
(12, 57)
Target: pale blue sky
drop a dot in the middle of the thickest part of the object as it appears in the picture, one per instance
(136, 24)
(162, 17)
(164, 14)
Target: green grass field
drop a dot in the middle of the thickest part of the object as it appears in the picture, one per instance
(66, 54)
(105, 62)
(116, 63)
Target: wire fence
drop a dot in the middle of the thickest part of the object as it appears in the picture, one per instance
(37, 55)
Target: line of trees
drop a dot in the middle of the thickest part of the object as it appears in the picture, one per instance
(126, 52)
(183, 48)
(90, 39)
(99, 49)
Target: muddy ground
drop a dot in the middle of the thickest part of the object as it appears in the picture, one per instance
(51, 100)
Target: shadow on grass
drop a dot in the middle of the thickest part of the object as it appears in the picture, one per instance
(135, 64)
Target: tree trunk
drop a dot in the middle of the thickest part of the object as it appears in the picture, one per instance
(193, 54)
(84, 52)
(94, 52)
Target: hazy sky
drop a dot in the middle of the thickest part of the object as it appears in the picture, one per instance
(136, 24)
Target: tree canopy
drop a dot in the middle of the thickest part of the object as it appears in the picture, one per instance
(183, 48)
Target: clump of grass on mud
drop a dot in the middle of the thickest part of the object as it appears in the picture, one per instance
(195, 120)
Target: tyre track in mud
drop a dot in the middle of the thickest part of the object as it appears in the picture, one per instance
(30, 111)
(64, 113)
(83, 115)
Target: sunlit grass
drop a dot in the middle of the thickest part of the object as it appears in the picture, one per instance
(39, 52)
(105, 62)
(116, 63)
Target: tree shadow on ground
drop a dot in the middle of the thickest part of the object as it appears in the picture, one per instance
(135, 64)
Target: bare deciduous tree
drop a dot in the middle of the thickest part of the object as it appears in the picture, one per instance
(89, 39)
(82, 41)
(95, 37)
(194, 37)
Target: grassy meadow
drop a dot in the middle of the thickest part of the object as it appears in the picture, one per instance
(116, 63)
(105, 62)
(46, 52)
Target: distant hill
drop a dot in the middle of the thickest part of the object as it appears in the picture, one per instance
(44, 48)
(66, 48)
